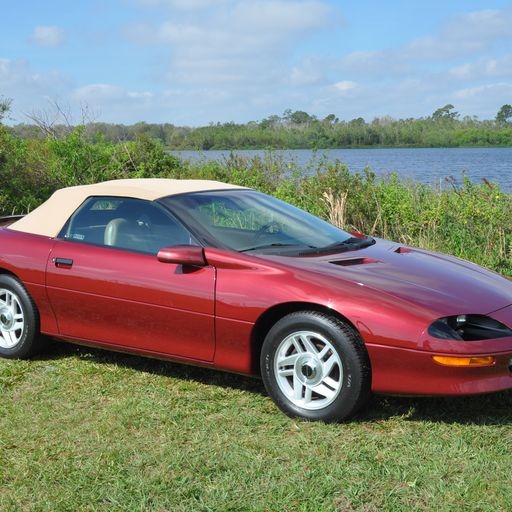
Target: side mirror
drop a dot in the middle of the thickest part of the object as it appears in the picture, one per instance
(191, 255)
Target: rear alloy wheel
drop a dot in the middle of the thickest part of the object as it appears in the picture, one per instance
(19, 334)
(315, 367)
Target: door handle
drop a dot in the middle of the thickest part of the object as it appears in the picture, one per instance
(63, 262)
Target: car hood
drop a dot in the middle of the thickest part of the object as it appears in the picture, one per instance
(438, 282)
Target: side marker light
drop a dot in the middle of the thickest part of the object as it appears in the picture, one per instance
(474, 361)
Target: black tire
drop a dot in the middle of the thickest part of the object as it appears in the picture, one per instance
(19, 321)
(315, 367)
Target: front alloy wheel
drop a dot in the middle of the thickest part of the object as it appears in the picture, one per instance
(308, 370)
(315, 367)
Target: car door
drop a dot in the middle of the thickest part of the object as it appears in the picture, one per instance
(105, 283)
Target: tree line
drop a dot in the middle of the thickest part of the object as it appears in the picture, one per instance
(291, 130)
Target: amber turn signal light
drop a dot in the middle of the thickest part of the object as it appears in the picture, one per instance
(465, 361)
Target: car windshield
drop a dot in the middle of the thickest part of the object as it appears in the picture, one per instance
(246, 221)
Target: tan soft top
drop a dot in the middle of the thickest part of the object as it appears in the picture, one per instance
(49, 218)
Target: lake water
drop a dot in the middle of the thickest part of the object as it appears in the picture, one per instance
(429, 165)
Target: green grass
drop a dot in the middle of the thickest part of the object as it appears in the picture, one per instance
(82, 429)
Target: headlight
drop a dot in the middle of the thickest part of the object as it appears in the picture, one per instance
(468, 328)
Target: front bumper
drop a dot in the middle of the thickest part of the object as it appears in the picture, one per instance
(413, 372)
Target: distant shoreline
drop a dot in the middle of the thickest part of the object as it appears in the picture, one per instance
(435, 166)
(328, 148)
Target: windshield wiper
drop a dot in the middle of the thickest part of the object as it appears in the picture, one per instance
(270, 246)
(350, 244)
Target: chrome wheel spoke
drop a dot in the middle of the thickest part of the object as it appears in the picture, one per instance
(310, 346)
(324, 352)
(4, 340)
(288, 361)
(308, 395)
(297, 388)
(331, 383)
(14, 338)
(328, 365)
(285, 372)
(9, 338)
(324, 391)
(297, 344)
(286, 365)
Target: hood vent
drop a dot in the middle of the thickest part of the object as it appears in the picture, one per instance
(353, 261)
(403, 250)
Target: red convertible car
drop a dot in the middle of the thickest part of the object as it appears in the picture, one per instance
(219, 275)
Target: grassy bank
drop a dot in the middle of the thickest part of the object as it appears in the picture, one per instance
(84, 430)
(470, 220)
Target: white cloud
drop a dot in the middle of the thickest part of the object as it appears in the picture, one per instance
(102, 94)
(496, 90)
(307, 73)
(18, 73)
(486, 25)
(112, 102)
(344, 86)
(186, 5)
(48, 36)
(245, 42)
(140, 95)
(464, 34)
(433, 48)
(18, 80)
(494, 67)
(285, 17)
(483, 101)
(370, 64)
(98, 92)
(461, 72)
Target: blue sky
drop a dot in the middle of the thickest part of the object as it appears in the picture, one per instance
(193, 62)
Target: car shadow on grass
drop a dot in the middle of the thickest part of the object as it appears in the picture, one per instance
(489, 409)
(208, 376)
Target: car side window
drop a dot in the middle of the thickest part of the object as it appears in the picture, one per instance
(125, 223)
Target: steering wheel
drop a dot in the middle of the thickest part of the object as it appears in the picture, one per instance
(270, 228)
(143, 222)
